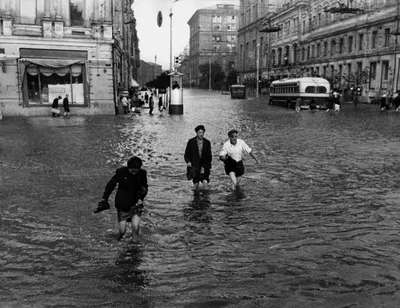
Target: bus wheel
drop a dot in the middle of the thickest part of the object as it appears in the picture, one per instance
(288, 102)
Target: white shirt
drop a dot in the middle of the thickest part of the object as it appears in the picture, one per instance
(235, 151)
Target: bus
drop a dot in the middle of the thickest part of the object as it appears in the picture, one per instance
(238, 91)
(314, 92)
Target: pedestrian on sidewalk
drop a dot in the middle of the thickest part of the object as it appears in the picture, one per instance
(132, 189)
(160, 104)
(231, 155)
(151, 104)
(125, 104)
(66, 105)
(198, 158)
(54, 107)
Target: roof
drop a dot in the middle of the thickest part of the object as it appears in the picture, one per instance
(304, 79)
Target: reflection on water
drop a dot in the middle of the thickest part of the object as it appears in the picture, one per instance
(316, 224)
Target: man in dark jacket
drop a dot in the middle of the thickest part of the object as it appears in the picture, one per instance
(66, 105)
(132, 189)
(198, 156)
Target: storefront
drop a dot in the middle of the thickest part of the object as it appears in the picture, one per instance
(47, 74)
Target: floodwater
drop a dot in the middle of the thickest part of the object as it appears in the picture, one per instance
(317, 224)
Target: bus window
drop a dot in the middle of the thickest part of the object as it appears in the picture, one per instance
(310, 89)
(322, 90)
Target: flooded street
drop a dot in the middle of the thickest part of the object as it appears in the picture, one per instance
(318, 225)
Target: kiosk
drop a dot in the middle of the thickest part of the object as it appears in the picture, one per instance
(176, 90)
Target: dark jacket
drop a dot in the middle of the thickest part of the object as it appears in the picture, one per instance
(131, 187)
(192, 154)
(55, 103)
(65, 102)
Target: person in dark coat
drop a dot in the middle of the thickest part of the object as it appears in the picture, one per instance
(198, 156)
(396, 102)
(54, 105)
(132, 189)
(66, 105)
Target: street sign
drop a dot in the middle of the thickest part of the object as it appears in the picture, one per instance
(159, 19)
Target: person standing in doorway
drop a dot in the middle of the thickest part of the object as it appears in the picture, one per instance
(231, 155)
(132, 189)
(198, 156)
(66, 105)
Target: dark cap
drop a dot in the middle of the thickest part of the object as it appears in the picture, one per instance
(198, 127)
(134, 163)
(232, 131)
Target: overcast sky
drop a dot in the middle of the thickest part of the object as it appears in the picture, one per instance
(154, 40)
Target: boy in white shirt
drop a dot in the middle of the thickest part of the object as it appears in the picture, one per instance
(231, 155)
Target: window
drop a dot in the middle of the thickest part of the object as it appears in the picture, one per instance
(372, 72)
(333, 47)
(360, 41)
(341, 42)
(325, 48)
(318, 49)
(28, 11)
(76, 9)
(373, 42)
(385, 70)
(216, 38)
(310, 89)
(387, 37)
(359, 69)
(44, 84)
(350, 44)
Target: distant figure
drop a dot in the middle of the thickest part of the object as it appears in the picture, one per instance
(298, 104)
(175, 85)
(313, 104)
(132, 189)
(231, 155)
(396, 102)
(54, 107)
(151, 104)
(125, 104)
(336, 98)
(331, 102)
(198, 156)
(160, 104)
(383, 102)
(66, 105)
(146, 97)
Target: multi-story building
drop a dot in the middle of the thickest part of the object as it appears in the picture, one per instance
(360, 48)
(84, 48)
(213, 39)
(147, 71)
(253, 44)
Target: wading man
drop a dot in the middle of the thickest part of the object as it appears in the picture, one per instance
(198, 156)
(231, 155)
(132, 189)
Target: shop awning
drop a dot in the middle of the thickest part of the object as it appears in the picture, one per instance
(134, 83)
(56, 63)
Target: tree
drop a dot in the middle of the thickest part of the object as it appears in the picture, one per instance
(161, 81)
(217, 76)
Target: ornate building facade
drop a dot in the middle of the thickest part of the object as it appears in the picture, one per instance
(213, 39)
(360, 48)
(87, 49)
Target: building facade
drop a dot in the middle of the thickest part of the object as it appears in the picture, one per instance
(359, 49)
(83, 48)
(213, 39)
(253, 44)
(148, 71)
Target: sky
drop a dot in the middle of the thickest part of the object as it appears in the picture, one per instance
(154, 41)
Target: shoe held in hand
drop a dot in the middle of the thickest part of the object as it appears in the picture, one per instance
(101, 206)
